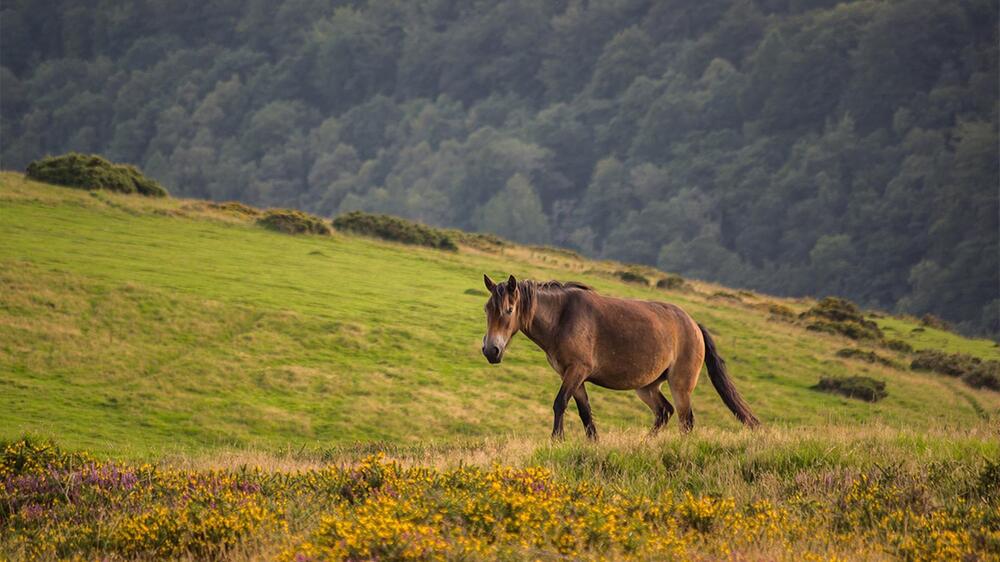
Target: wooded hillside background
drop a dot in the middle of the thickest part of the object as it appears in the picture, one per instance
(791, 146)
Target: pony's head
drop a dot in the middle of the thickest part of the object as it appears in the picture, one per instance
(502, 317)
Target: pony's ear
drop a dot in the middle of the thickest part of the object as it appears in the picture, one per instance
(490, 285)
(511, 284)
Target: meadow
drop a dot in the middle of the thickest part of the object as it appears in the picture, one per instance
(313, 397)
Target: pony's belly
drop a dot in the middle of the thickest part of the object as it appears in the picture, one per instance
(637, 377)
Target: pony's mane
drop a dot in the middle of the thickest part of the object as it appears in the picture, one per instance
(529, 299)
(561, 286)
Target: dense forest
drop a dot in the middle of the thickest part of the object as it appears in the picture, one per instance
(793, 146)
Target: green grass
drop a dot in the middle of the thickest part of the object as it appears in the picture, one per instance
(925, 337)
(142, 328)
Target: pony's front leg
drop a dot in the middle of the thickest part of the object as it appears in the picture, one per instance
(572, 378)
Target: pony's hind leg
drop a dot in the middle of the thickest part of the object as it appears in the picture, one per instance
(583, 406)
(658, 403)
(682, 379)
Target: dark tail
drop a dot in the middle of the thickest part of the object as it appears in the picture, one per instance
(724, 385)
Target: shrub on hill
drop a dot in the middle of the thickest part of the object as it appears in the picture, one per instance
(236, 208)
(89, 171)
(780, 311)
(291, 221)
(725, 295)
(972, 370)
(671, 283)
(862, 388)
(632, 277)
(984, 375)
(840, 316)
(480, 240)
(394, 228)
(561, 252)
(898, 345)
(932, 321)
(863, 355)
(953, 365)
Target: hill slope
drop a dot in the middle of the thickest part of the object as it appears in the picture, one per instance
(145, 327)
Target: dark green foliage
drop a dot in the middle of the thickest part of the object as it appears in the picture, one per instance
(89, 171)
(780, 311)
(561, 252)
(632, 277)
(863, 355)
(840, 316)
(802, 148)
(898, 345)
(953, 365)
(394, 228)
(478, 240)
(236, 208)
(984, 375)
(291, 221)
(851, 330)
(860, 387)
(932, 321)
(988, 485)
(973, 371)
(671, 283)
(727, 296)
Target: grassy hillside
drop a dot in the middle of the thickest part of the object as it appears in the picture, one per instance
(140, 326)
(306, 397)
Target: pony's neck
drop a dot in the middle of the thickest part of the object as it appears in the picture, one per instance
(540, 313)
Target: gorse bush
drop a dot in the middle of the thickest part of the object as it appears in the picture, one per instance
(632, 277)
(671, 283)
(898, 345)
(972, 370)
(984, 375)
(780, 311)
(480, 240)
(863, 355)
(556, 251)
(236, 208)
(726, 295)
(89, 171)
(933, 321)
(953, 365)
(396, 229)
(290, 221)
(863, 388)
(840, 316)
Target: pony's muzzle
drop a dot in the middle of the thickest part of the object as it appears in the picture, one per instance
(493, 353)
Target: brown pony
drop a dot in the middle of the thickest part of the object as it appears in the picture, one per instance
(620, 344)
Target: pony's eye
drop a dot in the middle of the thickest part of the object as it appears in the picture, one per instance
(510, 310)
